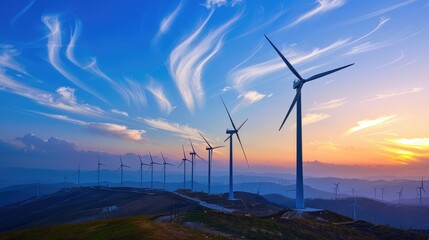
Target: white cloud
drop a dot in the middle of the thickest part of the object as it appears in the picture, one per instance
(188, 60)
(379, 96)
(7, 55)
(183, 131)
(393, 61)
(63, 99)
(371, 123)
(323, 6)
(167, 22)
(162, 100)
(22, 12)
(311, 118)
(70, 47)
(248, 98)
(54, 45)
(382, 11)
(242, 77)
(334, 103)
(115, 111)
(219, 3)
(366, 47)
(105, 129)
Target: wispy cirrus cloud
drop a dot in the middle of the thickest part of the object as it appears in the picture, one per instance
(326, 145)
(209, 4)
(243, 76)
(311, 118)
(105, 129)
(188, 60)
(162, 100)
(250, 97)
(7, 55)
(122, 113)
(366, 47)
(22, 12)
(371, 123)
(72, 43)
(405, 150)
(183, 131)
(381, 11)
(54, 46)
(64, 98)
(323, 6)
(167, 22)
(393, 61)
(380, 96)
(334, 103)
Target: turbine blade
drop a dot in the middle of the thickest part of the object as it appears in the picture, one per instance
(126, 166)
(180, 164)
(326, 73)
(227, 138)
(150, 157)
(184, 155)
(204, 139)
(217, 147)
(200, 157)
(140, 159)
(229, 115)
(162, 157)
(169, 164)
(239, 140)
(238, 129)
(285, 60)
(292, 105)
(192, 145)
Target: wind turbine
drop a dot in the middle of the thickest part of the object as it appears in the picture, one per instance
(164, 168)
(78, 175)
(122, 168)
(98, 171)
(298, 84)
(400, 197)
(336, 189)
(355, 204)
(375, 193)
(151, 169)
(231, 133)
(353, 191)
(382, 193)
(193, 154)
(184, 159)
(420, 189)
(141, 170)
(210, 156)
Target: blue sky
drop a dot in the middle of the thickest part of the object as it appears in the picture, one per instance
(122, 77)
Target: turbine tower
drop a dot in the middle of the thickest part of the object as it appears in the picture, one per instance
(375, 192)
(382, 193)
(184, 159)
(122, 169)
(336, 189)
(78, 175)
(151, 169)
(209, 149)
(231, 133)
(193, 154)
(400, 197)
(141, 170)
(298, 84)
(164, 168)
(420, 189)
(355, 204)
(98, 171)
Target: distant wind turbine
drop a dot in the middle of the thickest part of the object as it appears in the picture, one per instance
(122, 169)
(298, 84)
(98, 171)
(164, 167)
(353, 192)
(151, 169)
(400, 196)
(375, 192)
(355, 204)
(382, 193)
(193, 154)
(184, 159)
(78, 175)
(420, 189)
(141, 170)
(231, 133)
(336, 189)
(209, 148)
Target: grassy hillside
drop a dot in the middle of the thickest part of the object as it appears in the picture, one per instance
(123, 228)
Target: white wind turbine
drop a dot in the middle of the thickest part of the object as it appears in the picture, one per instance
(98, 171)
(151, 167)
(141, 170)
(122, 170)
(298, 84)
(209, 149)
(193, 154)
(164, 167)
(231, 133)
(184, 159)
